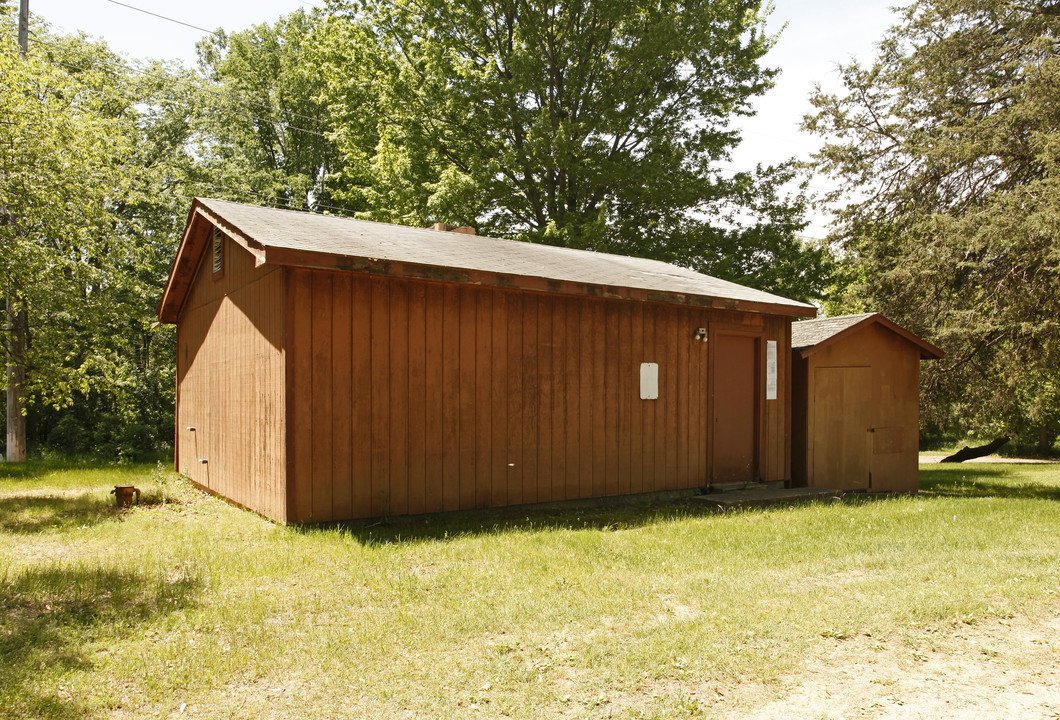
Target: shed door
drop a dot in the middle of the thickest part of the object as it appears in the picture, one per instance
(735, 383)
(842, 438)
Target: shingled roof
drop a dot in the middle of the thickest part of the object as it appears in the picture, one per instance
(809, 336)
(304, 239)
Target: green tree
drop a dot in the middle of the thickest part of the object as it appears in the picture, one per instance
(265, 134)
(594, 124)
(58, 162)
(131, 412)
(93, 158)
(951, 140)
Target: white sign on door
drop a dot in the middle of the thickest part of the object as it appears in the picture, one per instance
(771, 370)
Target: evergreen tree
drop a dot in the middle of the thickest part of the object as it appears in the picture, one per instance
(952, 140)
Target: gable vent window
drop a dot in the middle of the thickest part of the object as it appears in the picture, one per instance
(218, 249)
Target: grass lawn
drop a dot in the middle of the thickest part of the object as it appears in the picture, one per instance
(188, 607)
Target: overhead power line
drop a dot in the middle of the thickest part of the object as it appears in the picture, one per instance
(161, 17)
(212, 90)
(216, 92)
(221, 93)
(262, 198)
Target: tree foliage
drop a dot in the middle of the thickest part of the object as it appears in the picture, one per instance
(89, 153)
(591, 124)
(264, 132)
(952, 140)
(59, 166)
(588, 123)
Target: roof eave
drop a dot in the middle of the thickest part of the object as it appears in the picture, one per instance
(194, 244)
(169, 304)
(189, 254)
(926, 349)
(417, 271)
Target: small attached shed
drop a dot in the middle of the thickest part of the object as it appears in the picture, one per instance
(856, 402)
(330, 368)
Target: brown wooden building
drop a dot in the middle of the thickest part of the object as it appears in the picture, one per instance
(856, 400)
(331, 368)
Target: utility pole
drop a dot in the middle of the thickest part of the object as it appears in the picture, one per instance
(16, 383)
(23, 26)
(17, 322)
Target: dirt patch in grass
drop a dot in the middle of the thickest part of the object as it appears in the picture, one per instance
(980, 671)
(977, 670)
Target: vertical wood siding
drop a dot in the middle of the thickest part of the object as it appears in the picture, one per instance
(410, 396)
(890, 402)
(230, 383)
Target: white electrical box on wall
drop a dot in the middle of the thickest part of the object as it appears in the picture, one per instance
(771, 370)
(649, 381)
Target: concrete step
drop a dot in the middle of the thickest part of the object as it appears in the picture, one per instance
(729, 487)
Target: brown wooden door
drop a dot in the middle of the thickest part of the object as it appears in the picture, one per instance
(842, 439)
(735, 401)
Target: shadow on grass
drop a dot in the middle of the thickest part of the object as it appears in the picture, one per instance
(607, 514)
(36, 468)
(28, 513)
(35, 513)
(979, 482)
(51, 618)
(30, 470)
(618, 513)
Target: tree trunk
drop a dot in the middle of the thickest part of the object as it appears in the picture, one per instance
(16, 384)
(1045, 439)
(967, 453)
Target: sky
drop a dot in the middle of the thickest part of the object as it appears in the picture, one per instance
(817, 36)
